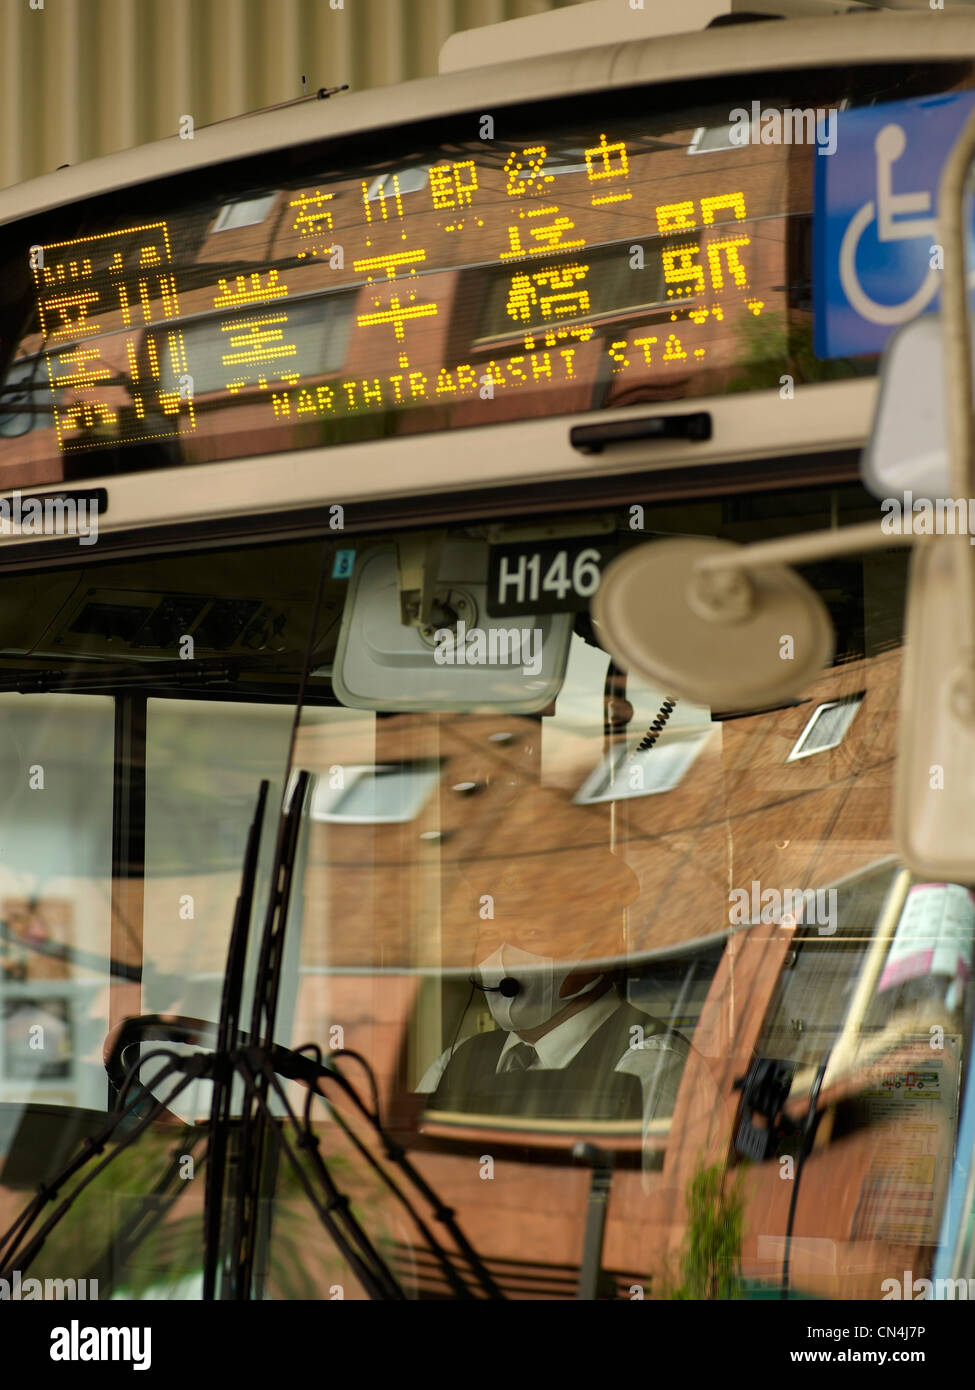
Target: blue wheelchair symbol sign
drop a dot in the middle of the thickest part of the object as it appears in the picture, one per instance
(876, 262)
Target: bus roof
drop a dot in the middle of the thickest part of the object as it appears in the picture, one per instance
(701, 54)
(598, 22)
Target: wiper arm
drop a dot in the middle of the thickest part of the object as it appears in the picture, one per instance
(299, 1068)
(13, 1237)
(252, 1063)
(155, 1208)
(336, 1214)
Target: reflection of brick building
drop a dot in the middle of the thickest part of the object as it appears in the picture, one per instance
(741, 813)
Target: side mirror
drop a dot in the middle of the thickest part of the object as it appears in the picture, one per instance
(736, 631)
(907, 452)
(935, 790)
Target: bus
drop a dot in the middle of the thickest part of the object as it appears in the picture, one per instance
(352, 860)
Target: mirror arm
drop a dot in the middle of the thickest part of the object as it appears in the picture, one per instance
(800, 550)
(721, 589)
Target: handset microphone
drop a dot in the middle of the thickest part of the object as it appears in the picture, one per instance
(508, 987)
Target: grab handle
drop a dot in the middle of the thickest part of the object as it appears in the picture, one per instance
(592, 439)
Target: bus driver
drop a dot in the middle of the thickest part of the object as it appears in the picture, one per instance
(551, 966)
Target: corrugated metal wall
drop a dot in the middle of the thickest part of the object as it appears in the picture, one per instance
(82, 78)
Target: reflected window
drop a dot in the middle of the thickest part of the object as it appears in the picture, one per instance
(611, 289)
(629, 771)
(709, 139)
(402, 181)
(872, 1018)
(248, 212)
(55, 897)
(204, 763)
(381, 795)
(808, 1012)
(25, 399)
(318, 330)
(826, 729)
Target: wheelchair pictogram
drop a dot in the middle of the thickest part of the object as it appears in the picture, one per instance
(888, 146)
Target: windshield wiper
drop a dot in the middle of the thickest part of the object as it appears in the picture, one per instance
(259, 1133)
(230, 1005)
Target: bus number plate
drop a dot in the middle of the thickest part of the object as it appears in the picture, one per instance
(557, 576)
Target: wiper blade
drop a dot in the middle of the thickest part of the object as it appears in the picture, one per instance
(229, 1023)
(259, 1131)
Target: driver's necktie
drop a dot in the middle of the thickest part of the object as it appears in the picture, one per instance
(520, 1057)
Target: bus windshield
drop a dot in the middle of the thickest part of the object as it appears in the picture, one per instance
(544, 902)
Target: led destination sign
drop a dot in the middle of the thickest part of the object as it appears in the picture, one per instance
(478, 283)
